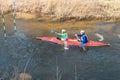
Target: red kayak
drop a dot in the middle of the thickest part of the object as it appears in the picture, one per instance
(72, 41)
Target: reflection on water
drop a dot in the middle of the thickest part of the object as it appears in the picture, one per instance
(37, 58)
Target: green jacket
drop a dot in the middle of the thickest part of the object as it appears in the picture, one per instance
(62, 36)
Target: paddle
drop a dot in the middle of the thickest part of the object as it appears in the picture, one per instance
(73, 32)
(52, 31)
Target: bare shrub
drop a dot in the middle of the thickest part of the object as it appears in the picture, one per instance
(68, 8)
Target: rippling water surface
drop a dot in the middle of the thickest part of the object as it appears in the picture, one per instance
(22, 53)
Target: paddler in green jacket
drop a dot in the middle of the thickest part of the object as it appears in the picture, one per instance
(63, 35)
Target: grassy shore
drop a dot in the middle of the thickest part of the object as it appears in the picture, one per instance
(67, 9)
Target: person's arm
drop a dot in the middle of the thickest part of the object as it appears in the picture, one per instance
(79, 35)
(76, 35)
(58, 33)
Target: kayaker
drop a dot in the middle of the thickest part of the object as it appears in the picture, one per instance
(63, 36)
(82, 38)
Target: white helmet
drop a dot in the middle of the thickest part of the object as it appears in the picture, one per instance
(82, 31)
(63, 30)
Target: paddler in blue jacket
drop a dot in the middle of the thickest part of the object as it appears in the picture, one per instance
(63, 36)
(82, 38)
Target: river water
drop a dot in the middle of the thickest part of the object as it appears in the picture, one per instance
(22, 53)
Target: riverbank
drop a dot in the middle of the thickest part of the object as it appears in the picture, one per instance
(67, 9)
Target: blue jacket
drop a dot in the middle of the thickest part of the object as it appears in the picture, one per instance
(83, 37)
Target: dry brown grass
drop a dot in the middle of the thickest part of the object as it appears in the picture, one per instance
(81, 9)
(24, 76)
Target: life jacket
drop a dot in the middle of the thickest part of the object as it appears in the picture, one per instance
(64, 36)
(84, 38)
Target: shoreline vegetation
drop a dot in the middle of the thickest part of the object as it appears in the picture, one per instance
(64, 9)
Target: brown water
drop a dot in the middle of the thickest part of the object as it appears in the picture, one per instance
(21, 52)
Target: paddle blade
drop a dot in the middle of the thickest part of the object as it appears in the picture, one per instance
(52, 31)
